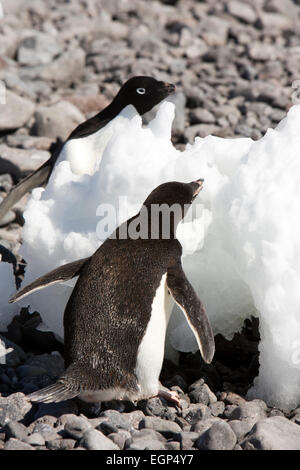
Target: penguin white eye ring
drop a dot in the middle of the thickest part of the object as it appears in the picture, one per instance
(141, 91)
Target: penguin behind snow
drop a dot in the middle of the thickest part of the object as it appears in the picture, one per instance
(116, 318)
(85, 145)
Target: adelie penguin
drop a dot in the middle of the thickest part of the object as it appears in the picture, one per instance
(116, 318)
(85, 145)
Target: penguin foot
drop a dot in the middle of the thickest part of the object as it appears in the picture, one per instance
(170, 395)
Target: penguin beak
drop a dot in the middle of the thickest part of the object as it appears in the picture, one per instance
(197, 186)
(168, 87)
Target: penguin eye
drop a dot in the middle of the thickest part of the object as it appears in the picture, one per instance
(141, 91)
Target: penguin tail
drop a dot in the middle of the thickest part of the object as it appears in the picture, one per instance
(53, 394)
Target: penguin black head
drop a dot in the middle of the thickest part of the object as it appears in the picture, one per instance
(143, 93)
(166, 206)
(175, 193)
(161, 212)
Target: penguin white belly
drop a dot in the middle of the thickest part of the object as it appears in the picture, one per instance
(151, 350)
(84, 154)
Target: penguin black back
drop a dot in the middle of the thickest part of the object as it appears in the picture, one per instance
(116, 318)
(141, 91)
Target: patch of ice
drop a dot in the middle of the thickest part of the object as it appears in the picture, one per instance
(246, 237)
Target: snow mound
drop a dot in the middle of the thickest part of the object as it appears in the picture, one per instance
(241, 252)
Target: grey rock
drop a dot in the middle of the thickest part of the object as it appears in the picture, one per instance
(254, 410)
(15, 444)
(76, 426)
(276, 433)
(16, 112)
(262, 52)
(22, 161)
(43, 428)
(217, 408)
(6, 182)
(95, 440)
(275, 412)
(38, 48)
(188, 435)
(146, 439)
(214, 30)
(242, 11)
(13, 408)
(219, 436)
(203, 425)
(58, 120)
(26, 142)
(199, 115)
(120, 438)
(115, 421)
(163, 426)
(35, 439)
(275, 21)
(172, 445)
(16, 430)
(156, 407)
(241, 428)
(134, 418)
(197, 412)
(66, 69)
(199, 392)
(8, 44)
(61, 444)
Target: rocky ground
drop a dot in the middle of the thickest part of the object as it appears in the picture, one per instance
(61, 61)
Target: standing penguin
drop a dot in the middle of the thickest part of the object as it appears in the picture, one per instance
(85, 145)
(116, 318)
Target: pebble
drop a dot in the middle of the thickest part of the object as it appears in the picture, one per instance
(197, 412)
(16, 112)
(66, 69)
(58, 120)
(76, 426)
(163, 426)
(15, 444)
(13, 408)
(96, 440)
(276, 433)
(61, 444)
(218, 437)
(146, 439)
(16, 430)
(35, 439)
(38, 48)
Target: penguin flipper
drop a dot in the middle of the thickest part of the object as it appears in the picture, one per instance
(60, 274)
(36, 179)
(193, 309)
(53, 394)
